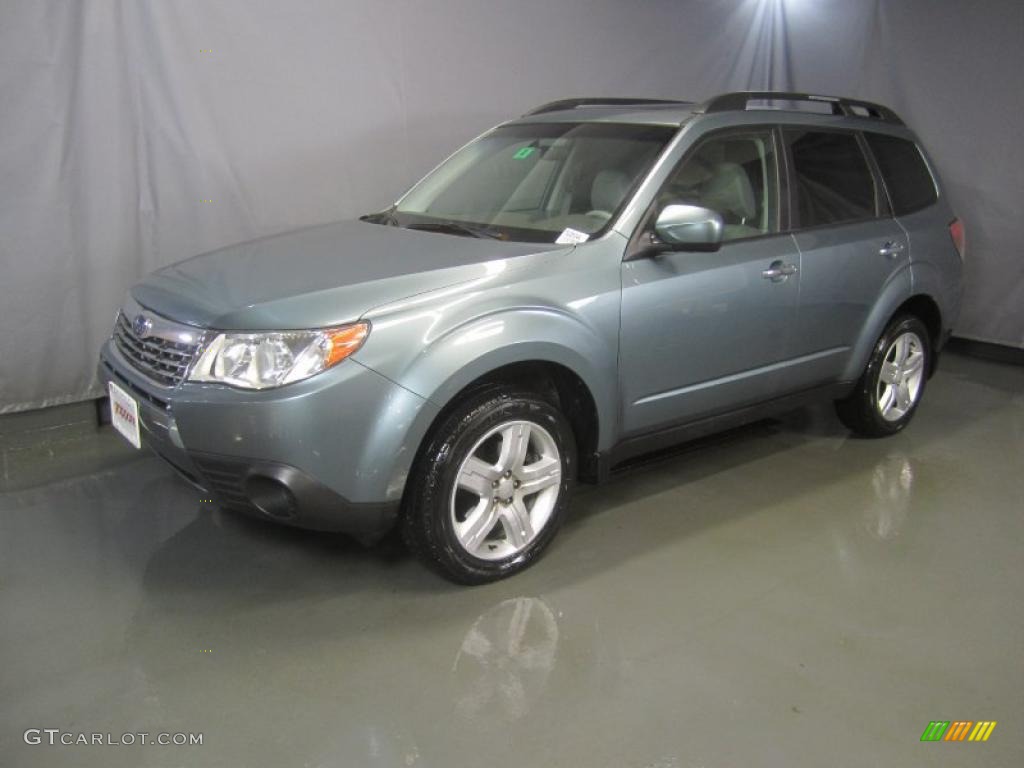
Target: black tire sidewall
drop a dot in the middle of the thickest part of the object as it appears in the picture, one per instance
(439, 468)
(866, 394)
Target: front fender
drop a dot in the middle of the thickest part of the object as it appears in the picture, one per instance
(524, 334)
(451, 362)
(560, 308)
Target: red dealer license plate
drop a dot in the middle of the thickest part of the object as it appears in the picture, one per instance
(124, 414)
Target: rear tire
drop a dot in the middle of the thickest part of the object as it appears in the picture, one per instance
(490, 487)
(888, 393)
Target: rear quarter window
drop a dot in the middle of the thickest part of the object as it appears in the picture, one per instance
(910, 183)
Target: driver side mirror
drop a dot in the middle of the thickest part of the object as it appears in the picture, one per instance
(682, 227)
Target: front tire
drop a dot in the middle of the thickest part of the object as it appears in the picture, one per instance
(888, 393)
(491, 486)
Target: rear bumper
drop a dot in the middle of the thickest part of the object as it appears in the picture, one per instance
(331, 453)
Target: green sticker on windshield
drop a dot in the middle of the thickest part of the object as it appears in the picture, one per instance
(524, 153)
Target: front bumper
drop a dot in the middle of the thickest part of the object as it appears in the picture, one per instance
(329, 453)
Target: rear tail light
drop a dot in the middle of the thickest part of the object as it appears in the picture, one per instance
(956, 231)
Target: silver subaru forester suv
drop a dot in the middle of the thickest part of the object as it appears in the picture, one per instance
(593, 281)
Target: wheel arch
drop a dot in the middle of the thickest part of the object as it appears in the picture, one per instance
(897, 299)
(926, 309)
(555, 381)
(576, 354)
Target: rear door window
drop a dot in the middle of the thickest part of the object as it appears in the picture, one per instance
(910, 183)
(833, 183)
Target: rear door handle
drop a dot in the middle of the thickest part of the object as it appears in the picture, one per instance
(779, 271)
(892, 249)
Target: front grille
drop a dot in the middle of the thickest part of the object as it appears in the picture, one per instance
(126, 383)
(164, 360)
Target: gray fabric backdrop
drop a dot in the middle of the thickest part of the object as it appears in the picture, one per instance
(135, 133)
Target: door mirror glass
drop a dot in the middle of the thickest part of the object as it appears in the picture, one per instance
(683, 227)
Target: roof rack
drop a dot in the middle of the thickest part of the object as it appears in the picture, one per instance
(728, 102)
(563, 104)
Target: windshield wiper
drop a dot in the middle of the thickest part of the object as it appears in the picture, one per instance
(457, 228)
(385, 217)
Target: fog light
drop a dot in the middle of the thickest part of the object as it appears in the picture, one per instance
(271, 497)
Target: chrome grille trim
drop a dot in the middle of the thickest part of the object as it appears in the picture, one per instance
(167, 350)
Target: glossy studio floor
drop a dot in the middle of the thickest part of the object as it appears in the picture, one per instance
(783, 595)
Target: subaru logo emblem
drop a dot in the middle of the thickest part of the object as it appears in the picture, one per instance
(141, 326)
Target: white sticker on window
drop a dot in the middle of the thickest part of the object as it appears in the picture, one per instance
(572, 236)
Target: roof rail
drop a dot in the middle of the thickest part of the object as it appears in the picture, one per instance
(728, 102)
(563, 104)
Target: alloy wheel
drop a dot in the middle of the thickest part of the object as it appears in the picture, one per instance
(900, 377)
(506, 490)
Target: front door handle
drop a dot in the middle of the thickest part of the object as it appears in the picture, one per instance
(779, 271)
(891, 249)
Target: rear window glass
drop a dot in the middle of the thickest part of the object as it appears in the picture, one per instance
(907, 178)
(834, 183)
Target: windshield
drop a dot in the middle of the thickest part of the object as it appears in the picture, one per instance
(548, 182)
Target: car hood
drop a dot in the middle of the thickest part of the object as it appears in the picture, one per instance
(318, 276)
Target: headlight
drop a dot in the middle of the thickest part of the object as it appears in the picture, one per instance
(272, 358)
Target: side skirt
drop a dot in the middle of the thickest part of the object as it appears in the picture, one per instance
(672, 435)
